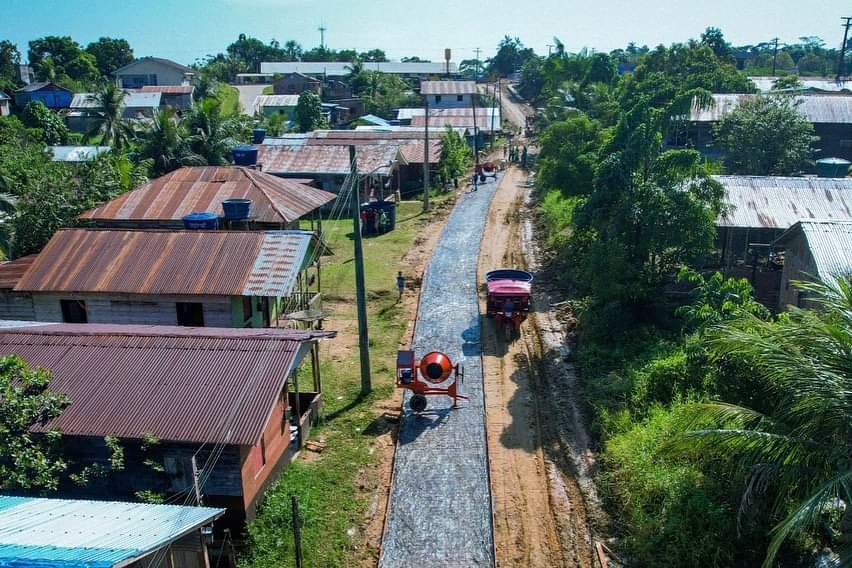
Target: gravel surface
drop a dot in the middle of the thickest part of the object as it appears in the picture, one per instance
(440, 504)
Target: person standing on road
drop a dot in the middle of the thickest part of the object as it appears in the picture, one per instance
(400, 283)
(524, 158)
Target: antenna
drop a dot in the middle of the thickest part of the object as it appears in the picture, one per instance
(322, 30)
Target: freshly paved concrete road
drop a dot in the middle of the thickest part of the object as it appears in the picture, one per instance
(440, 501)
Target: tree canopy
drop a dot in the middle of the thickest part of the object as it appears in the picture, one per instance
(309, 112)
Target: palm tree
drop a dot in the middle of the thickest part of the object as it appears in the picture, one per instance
(167, 146)
(800, 449)
(109, 120)
(293, 50)
(211, 135)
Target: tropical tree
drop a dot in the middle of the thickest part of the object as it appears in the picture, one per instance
(108, 119)
(569, 156)
(110, 54)
(53, 129)
(456, 156)
(798, 455)
(167, 145)
(293, 50)
(309, 112)
(765, 136)
(211, 135)
(27, 460)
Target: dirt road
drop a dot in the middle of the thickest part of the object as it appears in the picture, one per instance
(541, 518)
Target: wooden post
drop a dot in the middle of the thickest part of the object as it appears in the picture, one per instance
(196, 487)
(299, 438)
(315, 367)
(426, 183)
(297, 530)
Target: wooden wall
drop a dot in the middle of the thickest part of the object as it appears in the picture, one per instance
(16, 306)
(798, 262)
(134, 309)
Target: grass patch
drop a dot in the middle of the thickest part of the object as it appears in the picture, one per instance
(229, 100)
(330, 500)
(268, 90)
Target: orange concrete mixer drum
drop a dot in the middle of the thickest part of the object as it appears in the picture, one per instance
(435, 367)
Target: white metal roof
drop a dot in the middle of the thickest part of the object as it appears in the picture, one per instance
(277, 101)
(132, 99)
(776, 202)
(817, 109)
(830, 245)
(341, 69)
(765, 84)
(90, 533)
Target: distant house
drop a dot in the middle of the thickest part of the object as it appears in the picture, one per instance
(813, 249)
(163, 202)
(178, 97)
(188, 278)
(269, 105)
(448, 94)
(90, 533)
(5, 109)
(830, 115)
(24, 73)
(809, 84)
(16, 306)
(152, 71)
(329, 164)
(223, 406)
(76, 154)
(296, 84)
(84, 108)
(758, 209)
(52, 95)
(333, 90)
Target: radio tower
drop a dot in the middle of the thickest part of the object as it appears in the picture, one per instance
(322, 29)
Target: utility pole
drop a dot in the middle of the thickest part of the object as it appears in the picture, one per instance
(475, 136)
(493, 112)
(477, 51)
(196, 487)
(426, 181)
(841, 62)
(550, 47)
(297, 530)
(360, 289)
(322, 30)
(774, 55)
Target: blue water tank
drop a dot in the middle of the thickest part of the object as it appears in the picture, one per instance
(201, 220)
(236, 209)
(832, 167)
(244, 155)
(258, 135)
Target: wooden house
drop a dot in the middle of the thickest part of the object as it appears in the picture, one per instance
(219, 412)
(52, 95)
(152, 71)
(162, 202)
(448, 94)
(186, 278)
(5, 109)
(295, 84)
(813, 249)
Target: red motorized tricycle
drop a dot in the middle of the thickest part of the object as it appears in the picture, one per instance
(508, 299)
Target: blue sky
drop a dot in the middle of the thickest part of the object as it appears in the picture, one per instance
(189, 29)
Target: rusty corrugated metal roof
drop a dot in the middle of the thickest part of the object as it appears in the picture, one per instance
(776, 202)
(152, 262)
(413, 151)
(196, 385)
(311, 160)
(817, 109)
(187, 190)
(447, 87)
(12, 271)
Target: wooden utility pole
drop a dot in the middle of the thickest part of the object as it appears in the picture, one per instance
(494, 102)
(475, 143)
(477, 51)
(360, 289)
(195, 485)
(426, 181)
(841, 61)
(297, 530)
(774, 55)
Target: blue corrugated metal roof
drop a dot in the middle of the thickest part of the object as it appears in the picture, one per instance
(36, 532)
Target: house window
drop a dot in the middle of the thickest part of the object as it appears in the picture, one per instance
(190, 314)
(459, 98)
(437, 99)
(74, 311)
(247, 308)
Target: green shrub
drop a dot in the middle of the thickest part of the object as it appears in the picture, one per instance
(672, 514)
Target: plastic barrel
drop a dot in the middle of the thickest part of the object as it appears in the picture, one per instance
(201, 220)
(258, 135)
(244, 155)
(236, 209)
(832, 167)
